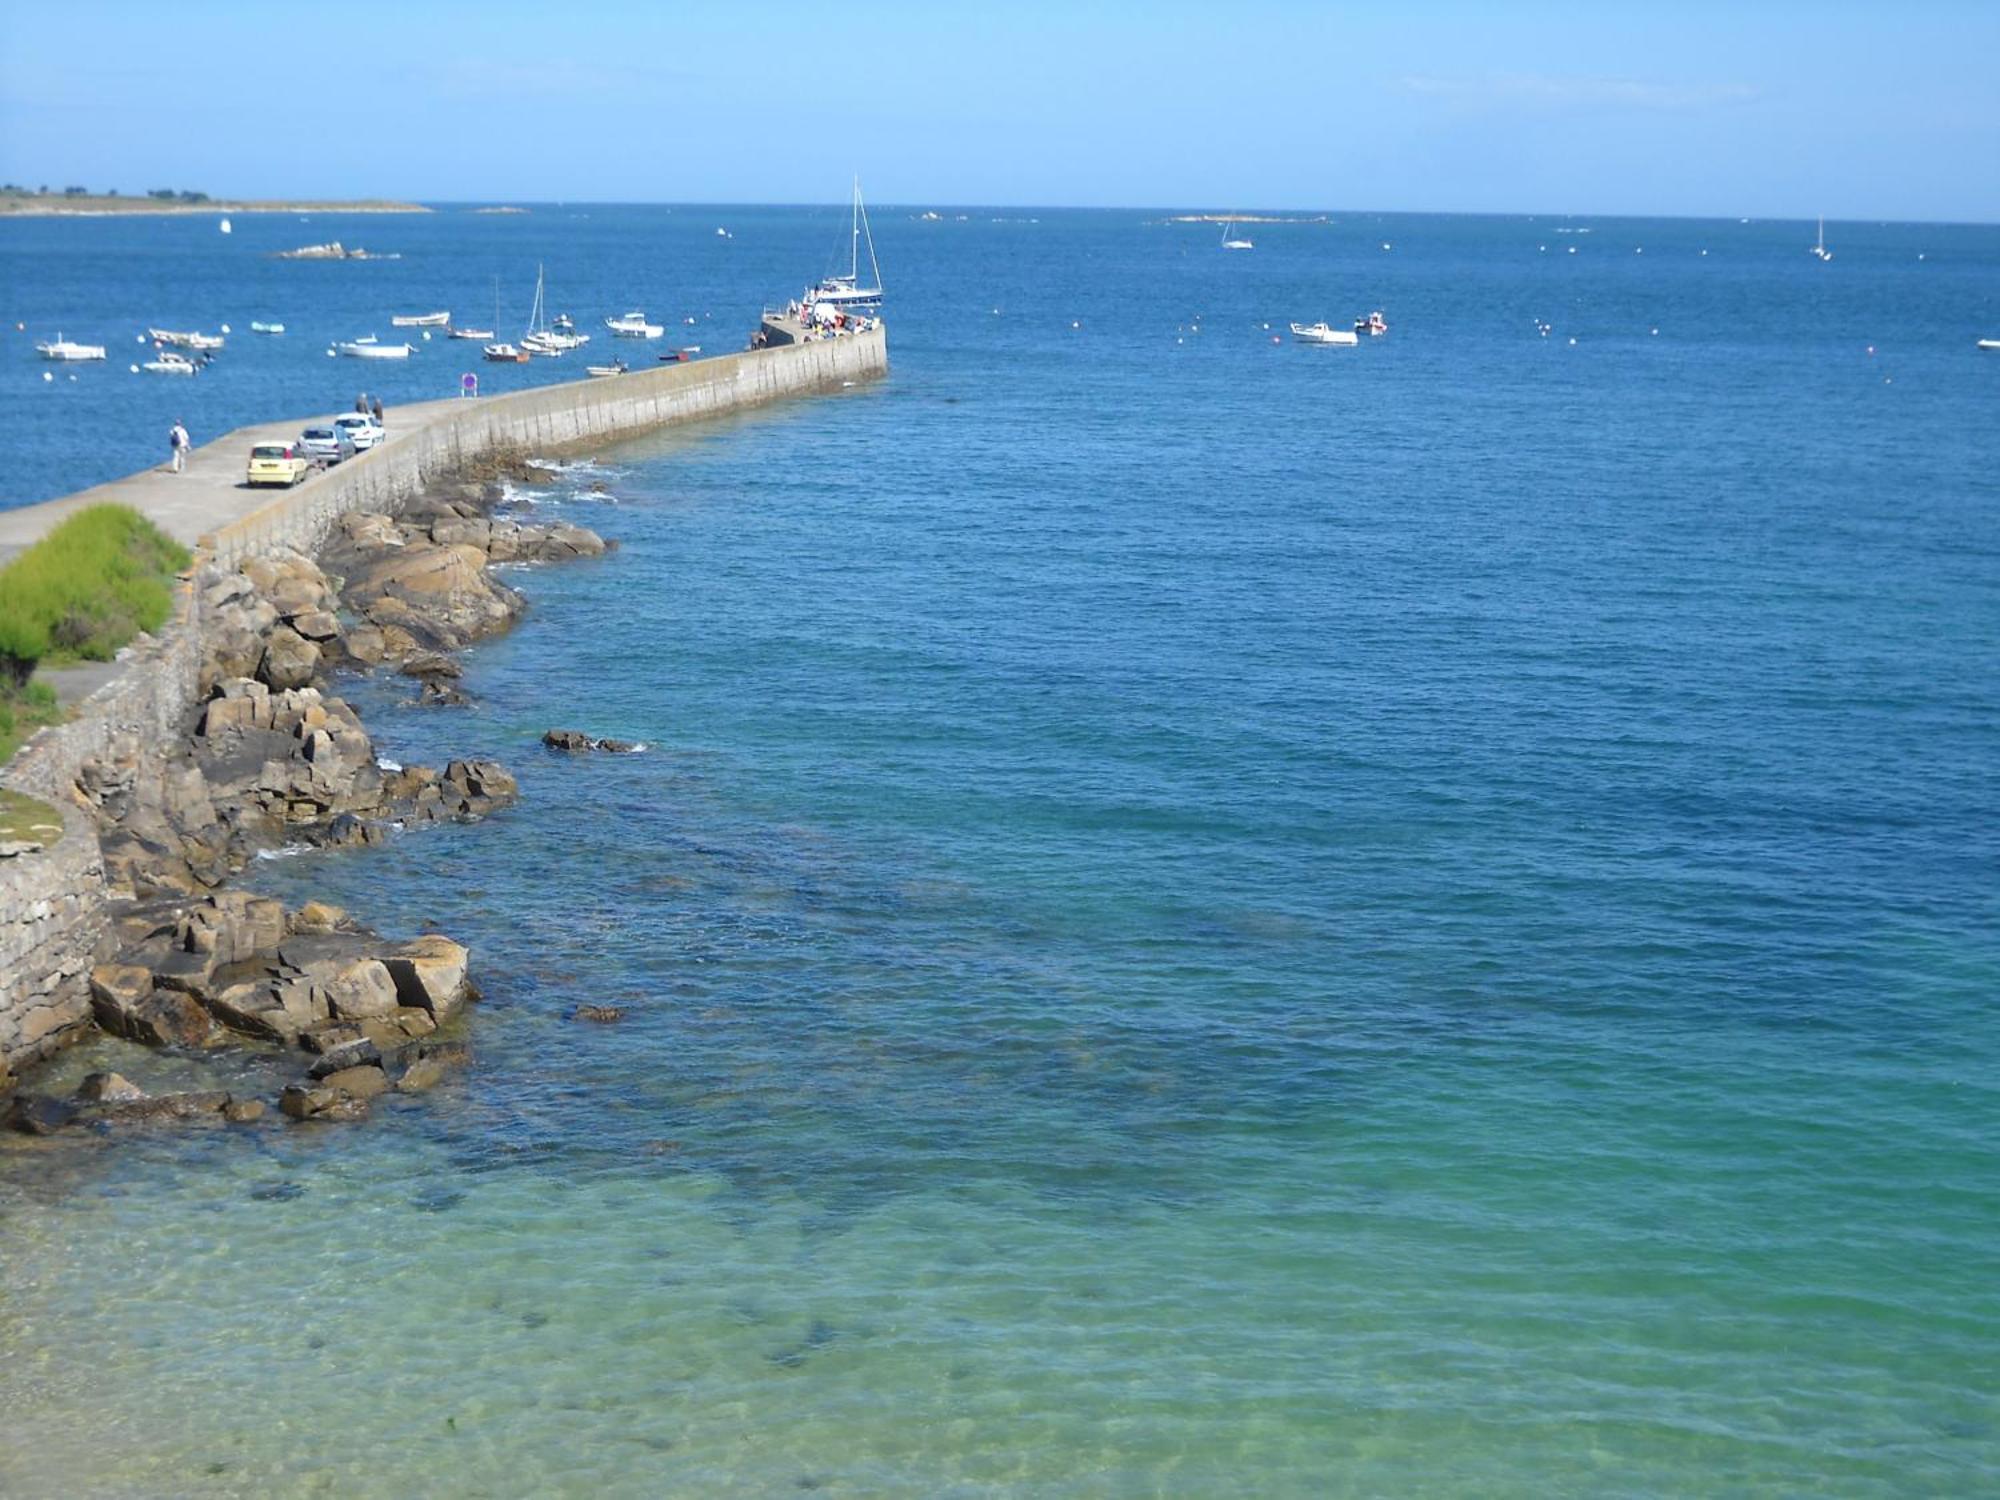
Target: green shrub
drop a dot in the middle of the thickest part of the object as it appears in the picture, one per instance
(85, 589)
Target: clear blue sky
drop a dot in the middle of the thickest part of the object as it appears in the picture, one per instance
(1887, 110)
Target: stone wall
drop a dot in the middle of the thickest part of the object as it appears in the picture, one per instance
(53, 916)
(547, 419)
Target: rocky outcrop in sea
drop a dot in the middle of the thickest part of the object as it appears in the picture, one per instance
(276, 759)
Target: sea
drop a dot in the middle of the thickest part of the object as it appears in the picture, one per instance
(1200, 916)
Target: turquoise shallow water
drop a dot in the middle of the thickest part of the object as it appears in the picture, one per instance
(1201, 917)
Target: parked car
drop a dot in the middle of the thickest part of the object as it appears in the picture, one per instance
(361, 428)
(327, 445)
(278, 463)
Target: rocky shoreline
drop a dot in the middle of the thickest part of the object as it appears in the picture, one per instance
(275, 759)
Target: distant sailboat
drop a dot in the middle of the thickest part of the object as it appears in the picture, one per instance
(1238, 242)
(1819, 248)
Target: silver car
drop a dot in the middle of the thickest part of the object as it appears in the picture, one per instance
(327, 445)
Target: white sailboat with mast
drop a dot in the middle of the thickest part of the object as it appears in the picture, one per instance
(847, 291)
(1819, 248)
(543, 339)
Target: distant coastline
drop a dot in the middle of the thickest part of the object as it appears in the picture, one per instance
(49, 205)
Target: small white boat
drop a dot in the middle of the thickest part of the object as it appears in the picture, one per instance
(267, 327)
(723, 234)
(369, 349)
(166, 362)
(1238, 241)
(600, 371)
(472, 333)
(61, 348)
(1819, 248)
(1324, 333)
(1374, 325)
(421, 320)
(506, 354)
(185, 340)
(633, 325)
(1993, 344)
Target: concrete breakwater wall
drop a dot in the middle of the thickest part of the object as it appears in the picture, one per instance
(547, 419)
(54, 906)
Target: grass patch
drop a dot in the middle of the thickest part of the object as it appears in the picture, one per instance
(22, 712)
(84, 590)
(22, 817)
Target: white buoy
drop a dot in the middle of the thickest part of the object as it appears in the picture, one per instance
(1387, 246)
(1075, 324)
(330, 354)
(135, 369)
(1572, 249)
(1572, 343)
(427, 335)
(225, 328)
(139, 338)
(47, 376)
(225, 227)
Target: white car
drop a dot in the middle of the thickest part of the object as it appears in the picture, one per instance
(361, 429)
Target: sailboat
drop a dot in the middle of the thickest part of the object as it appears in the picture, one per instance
(1239, 242)
(543, 337)
(1820, 248)
(838, 291)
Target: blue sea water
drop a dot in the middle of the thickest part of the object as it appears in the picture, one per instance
(1201, 916)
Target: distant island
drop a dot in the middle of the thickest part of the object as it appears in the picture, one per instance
(21, 201)
(333, 250)
(1246, 219)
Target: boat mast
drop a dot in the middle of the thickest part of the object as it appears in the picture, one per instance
(861, 213)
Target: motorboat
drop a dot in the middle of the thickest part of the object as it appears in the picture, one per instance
(1374, 325)
(61, 348)
(633, 325)
(267, 327)
(1990, 344)
(185, 340)
(1323, 333)
(844, 291)
(472, 333)
(506, 354)
(167, 362)
(422, 320)
(617, 367)
(370, 349)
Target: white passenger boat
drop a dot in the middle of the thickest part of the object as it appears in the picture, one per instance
(1324, 333)
(845, 291)
(61, 348)
(267, 327)
(370, 349)
(421, 320)
(633, 325)
(185, 340)
(166, 362)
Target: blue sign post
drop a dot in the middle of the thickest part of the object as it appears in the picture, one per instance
(468, 384)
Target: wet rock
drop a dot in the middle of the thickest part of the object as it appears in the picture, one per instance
(357, 991)
(603, 1015)
(364, 1082)
(441, 595)
(317, 917)
(316, 625)
(98, 1088)
(157, 1109)
(436, 693)
(243, 1111)
(430, 664)
(360, 1053)
(319, 1102)
(37, 1114)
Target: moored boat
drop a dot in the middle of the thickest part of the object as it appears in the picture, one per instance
(421, 320)
(633, 325)
(166, 362)
(617, 367)
(1374, 325)
(472, 333)
(185, 340)
(1323, 333)
(370, 349)
(1989, 343)
(842, 291)
(267, 327)
(63, 349)
(506, 354)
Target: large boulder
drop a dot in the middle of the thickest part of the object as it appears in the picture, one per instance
(289, 659)
(429, 973)
(439, 595)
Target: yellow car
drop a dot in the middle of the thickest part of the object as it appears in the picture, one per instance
(278, 463)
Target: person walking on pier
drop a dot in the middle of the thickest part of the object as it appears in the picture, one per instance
(177, 444)
(377, 413)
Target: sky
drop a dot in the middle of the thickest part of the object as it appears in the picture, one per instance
(1773, 109)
